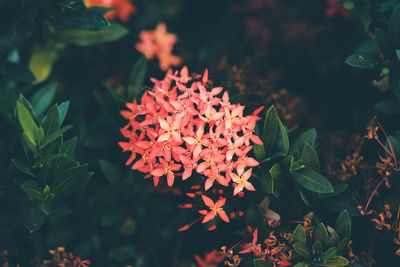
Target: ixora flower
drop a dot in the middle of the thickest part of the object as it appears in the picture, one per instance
(159, 43)
(181, 129)
(123, 8)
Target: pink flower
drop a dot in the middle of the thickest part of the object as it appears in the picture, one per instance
(215, 209)
(159, 43)
(123, 9)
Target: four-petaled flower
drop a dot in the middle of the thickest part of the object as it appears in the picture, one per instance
(241, 181)
(215, 208)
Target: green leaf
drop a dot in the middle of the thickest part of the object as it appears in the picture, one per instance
(302, 250)
(342, 245)
(309, 156)
(337, 190)
(309, 136)
(23, 167)
(302, 264)
(276, 171)
(110, 171)
(68, 179)
(45, 206)
(51, 122)
(89, 38)
(394, 26)
(136, 79)
(63, 109)
(312, 181)
(261, 263)
(42, 98)
(55, 135)
(317, 246)
(335, 261)
(382, 39)
(267, 183)
(86, 19)
(398, 54)
(304, 198)
(27, 122)
(299, 235)
(33, 217)
(331, 252)
(365, 16)
(42, 60)
(363, 61)
(32, 189)
(343, 225)
(271, 131)
(48, 158)
(69, 147)
(259, 152)
(321, 234)
(388, 106)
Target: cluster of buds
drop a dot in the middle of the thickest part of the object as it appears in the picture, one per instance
(180, 128)
(159, 43)
(61, 258)
(123, 9)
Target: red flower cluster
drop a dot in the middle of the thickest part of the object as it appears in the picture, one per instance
(180, 126)
(123, 8)
(159, 43)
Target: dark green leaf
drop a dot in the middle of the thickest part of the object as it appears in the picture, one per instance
(86, 19)
(398, 54)
(33, 217)
(51, 122)
(110, 171)
(48, 158)
(337, 190)
(136, 79)
(309, 156)
(275, 171)
(69, 147)
(335, 261)
(343, 225)
(321, 234)
(63, 109)
(267, 183)
(317, 246)
(388, 106)
(302, 264)
(331, 252)
(271, 131)
(55, 135)
(342, 245)
(312, 181)
(309, 136)
(69, 178)
(299, 235)
(394, 26)
(89, 38)
(27, 123)
(363, 61)
(302, 250)
(23, 167)
(32, 189)
(42, 98)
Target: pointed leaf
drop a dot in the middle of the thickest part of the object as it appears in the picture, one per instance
(321, 234)
(309, 136)
(309, 156)
(335, 261)
(27, 123)
(51, 121)
(302, 250)
(55, 135)
(343, 225)
(110, 171)
(63, 108)
(312, 181)
(363, 61)
(33, 217)
(299, 235)
(32, 189)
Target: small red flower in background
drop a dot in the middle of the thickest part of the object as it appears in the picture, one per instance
(123, 8)
(210, 260)
(159, 43)
(335, 7)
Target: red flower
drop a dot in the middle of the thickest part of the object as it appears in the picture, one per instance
(123, 8)
(210, 260)
(215, 208)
